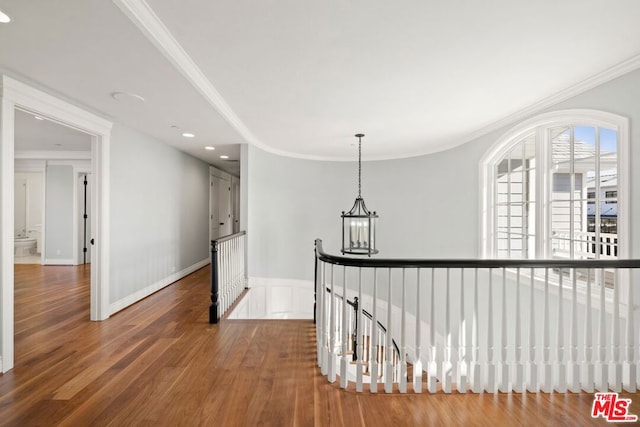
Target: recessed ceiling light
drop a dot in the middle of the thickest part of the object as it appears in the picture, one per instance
(224, 157)
(188, 135)
(38, 118)
(124, 96)
(4, 18)
(208, 147)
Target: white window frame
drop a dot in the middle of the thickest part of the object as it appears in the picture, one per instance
(539, 125)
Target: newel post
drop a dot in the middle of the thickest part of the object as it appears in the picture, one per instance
(213, 308)
(315, 280)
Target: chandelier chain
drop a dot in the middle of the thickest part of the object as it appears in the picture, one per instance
(359, 165)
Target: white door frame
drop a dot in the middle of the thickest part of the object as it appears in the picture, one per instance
(15, 94)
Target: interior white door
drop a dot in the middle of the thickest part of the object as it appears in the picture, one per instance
(235, 204)
(221, 223)
(224, 207)
(214, 213)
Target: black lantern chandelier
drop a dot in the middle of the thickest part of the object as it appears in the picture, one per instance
(359, 224)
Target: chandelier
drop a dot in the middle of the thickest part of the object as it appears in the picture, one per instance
(359, 224)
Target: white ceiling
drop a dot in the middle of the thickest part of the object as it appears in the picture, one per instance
(301, 77)
(32, 134)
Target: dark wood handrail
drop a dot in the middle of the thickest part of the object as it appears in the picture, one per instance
(470, 263)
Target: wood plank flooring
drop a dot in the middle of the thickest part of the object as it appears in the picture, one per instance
(160, 363)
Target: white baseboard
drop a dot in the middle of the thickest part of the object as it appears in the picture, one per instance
(255, 282)
(48, 261)
(155, 287)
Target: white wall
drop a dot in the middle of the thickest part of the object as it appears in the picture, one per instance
(159, 215)
(34, 198)
(59, 214)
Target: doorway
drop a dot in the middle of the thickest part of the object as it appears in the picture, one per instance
(16, 95)
(221, 222)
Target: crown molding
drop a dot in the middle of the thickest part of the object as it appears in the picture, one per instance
(29, 99)
(596, 80)
(143, 16)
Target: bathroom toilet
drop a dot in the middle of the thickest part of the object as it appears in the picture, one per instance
(24, 246)
(28, 245)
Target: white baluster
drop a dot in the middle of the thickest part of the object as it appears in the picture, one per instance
(463, 345)
(602, 368)
(574, 367)
(232, 282)
(630, 366)
(388, 372)
(561, 369)
(319, 336)
(588, 379)
(360, 346)
(229, 274)
(504, 366)
(532, 383)
(417, 363)
(519, 383)
(547, 385)
(223, 276)
(324, 322)
(220, 284)
(403, 339)
(432, 370)
(332, 331)
(615, 337)
(490, 385)
(476, 375)
(237, 267)
(234, 267)
(344, 362)
(446, 363)
(374, 336)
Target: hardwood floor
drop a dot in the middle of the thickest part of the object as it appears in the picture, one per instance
(160, 363)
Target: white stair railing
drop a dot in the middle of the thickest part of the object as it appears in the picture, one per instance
(228, 273)
(361, 346)
(489, 325)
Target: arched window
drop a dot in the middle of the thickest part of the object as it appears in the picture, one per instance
(556, 186)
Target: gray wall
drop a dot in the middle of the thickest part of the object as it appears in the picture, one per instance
(59, 213)
(294, 201)
(159, 211)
